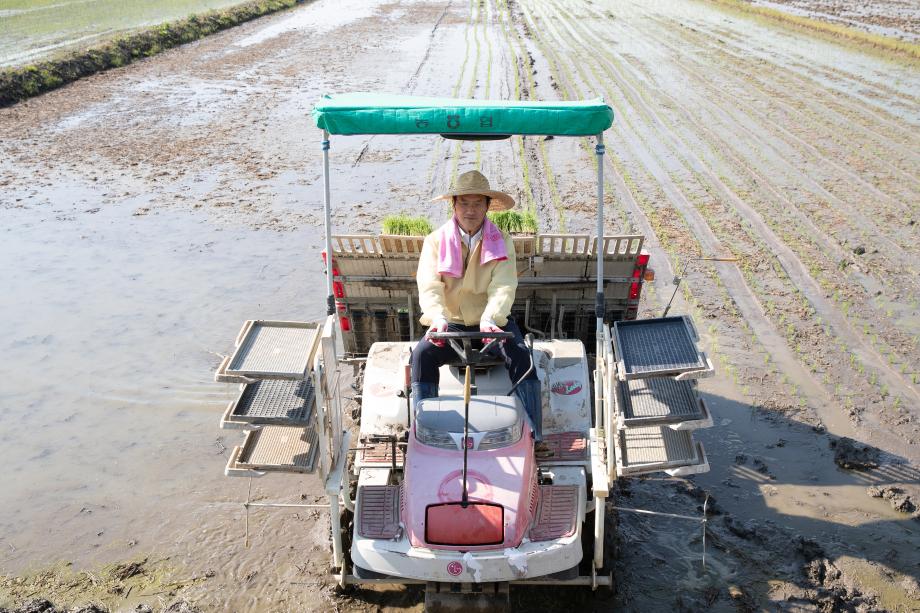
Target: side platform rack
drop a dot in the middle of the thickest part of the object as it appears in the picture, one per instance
(277, 401)
(652, 373)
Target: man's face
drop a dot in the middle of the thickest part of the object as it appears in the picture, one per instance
(471, 211)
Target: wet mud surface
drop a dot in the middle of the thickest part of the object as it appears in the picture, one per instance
(895, 18)
(148, 211)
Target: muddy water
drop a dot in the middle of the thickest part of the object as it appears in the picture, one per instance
(114, 326)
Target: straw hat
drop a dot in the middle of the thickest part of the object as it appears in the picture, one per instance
(474, 182)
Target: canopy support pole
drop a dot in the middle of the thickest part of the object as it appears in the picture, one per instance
(600, 423)
(327, 213)
(599, 299)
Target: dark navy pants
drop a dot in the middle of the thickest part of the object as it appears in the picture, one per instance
(427, 358)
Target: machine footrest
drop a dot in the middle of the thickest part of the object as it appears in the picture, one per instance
(566, 447)
(378, 511)
(556, 512)
(381, 453)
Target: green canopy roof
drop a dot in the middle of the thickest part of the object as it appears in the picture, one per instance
(368, 113)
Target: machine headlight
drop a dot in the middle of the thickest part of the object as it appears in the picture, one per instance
(496, 439)
(434, 438)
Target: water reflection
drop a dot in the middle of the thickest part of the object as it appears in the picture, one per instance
(113, 325)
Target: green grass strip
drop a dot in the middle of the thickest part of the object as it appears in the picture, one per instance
(24, 82)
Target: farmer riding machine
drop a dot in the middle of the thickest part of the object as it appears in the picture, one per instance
(449, 493)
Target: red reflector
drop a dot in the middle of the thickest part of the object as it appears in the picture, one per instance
(643, 258)
(345, 324)
(637, 273)
(338, 289)
(335, 271)
(634, 291)
(452, 524)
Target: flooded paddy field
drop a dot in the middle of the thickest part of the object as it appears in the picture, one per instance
(36, 29)
(146, 212)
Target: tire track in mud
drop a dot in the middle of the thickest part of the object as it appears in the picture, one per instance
(739, 289)
(542, 196)
(562, 83)
(828, 108)
(775, 97)
(891, 274)
(796, 275)
(764, 119)
(789, 260)
(836, 77)
(709, 245)
(653, 225)
(897, 340)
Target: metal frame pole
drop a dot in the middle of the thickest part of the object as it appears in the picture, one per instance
(599, 308)
(600, 516)
(327, 212)
(338, 559)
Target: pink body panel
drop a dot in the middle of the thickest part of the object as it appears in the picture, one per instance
(505, 476)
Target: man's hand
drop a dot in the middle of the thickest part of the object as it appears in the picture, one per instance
(438, 325)
(489, 326)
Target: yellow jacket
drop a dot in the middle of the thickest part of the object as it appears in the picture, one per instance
(483, 293)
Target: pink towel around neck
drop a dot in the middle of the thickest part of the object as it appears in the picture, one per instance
(450, 252)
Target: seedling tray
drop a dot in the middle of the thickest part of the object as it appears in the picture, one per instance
(285, 449)
(273, 350)
(660, 401)
(274, 402)
(653, 448)
(664, 346)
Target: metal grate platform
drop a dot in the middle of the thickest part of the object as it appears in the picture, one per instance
(655, 347)
(280, 403)
(275, 448)
(378, 511)
(652, 448)
(556, 512)
(659, 401)
(274, 350)
(566, 447)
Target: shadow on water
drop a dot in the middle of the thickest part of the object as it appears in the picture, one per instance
(788, 529)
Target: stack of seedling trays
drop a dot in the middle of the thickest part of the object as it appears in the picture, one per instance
(276, 404)
(656, 400)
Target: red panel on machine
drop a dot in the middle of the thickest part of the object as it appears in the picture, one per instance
(476, 524)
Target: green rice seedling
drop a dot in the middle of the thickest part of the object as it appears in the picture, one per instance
(514, 222)
(405, 225)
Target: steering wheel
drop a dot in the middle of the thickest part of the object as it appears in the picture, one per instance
(468, 355)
